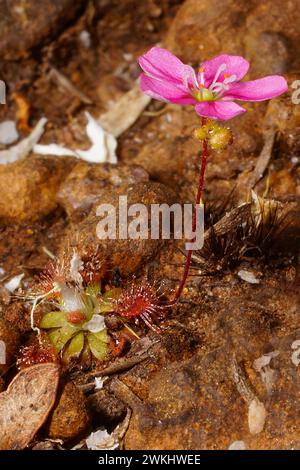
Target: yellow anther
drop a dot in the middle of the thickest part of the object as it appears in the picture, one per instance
(201, 70)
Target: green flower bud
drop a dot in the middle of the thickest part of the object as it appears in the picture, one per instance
(201, 133)
(220, 138)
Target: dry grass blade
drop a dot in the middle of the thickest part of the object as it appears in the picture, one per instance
(124, 112)
(25, 405)
(263, 159)
(230, 221)
(65, 83)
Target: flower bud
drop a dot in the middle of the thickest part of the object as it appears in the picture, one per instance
(221, 138)
(201, 133)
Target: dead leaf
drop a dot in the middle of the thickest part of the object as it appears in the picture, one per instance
(23, 111)
(25, 405)
(24, 147)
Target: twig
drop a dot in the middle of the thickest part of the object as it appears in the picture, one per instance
(118, 119)
(121, 365)
(48, 253)
(125, 394)
(241, 381)
(232, 219)
(68, 85)
(263, 159)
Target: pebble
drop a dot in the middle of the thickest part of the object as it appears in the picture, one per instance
(8, 132)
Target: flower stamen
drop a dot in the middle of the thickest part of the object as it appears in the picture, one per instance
(218, 73)
(201, 71)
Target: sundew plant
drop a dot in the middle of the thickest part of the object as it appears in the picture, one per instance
(213, 91)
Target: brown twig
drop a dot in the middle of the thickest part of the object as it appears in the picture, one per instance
(65, 83)
(263, 159)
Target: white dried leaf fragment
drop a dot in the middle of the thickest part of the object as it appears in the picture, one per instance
(102, 150)
(14, 283)
(262, 365)
(264, 360)
(76, 264)
(102, 440)
(256, 416)
(99, 382)
(296, 354)
(104, 145)
(95, 325)
(54, 149)
(23, 148)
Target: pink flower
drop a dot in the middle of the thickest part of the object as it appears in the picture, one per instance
(212, 90)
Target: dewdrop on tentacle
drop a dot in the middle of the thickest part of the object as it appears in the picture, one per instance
(94, 266)
(35, 354)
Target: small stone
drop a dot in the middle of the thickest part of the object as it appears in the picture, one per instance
(268, 52)
(106, 408)
(256, 416)
(85, 39)
(28, 187)
(295, 358)
(44, 445)
(70, 417)
(237, 445)
(126, 254)
(8, 132)
(9, 345)
(248, 276)
(87, 182)
(14, 283)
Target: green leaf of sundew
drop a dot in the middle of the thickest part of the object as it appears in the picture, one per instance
(53, 320)
(91, 304)
(74, 347)
(60, 336)
(93, 289)
(112, 294)
(97, 346)
(102, 336)
(106, 302)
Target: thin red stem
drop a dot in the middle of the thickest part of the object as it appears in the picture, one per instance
(194, 221)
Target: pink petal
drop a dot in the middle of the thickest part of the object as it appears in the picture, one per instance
(163, 65)
(258, 90)
(165, 91)
(235, 65)
(222, 110)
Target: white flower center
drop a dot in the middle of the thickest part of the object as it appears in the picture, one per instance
(215, 90)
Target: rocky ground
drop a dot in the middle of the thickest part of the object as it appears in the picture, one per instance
(225, 370)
